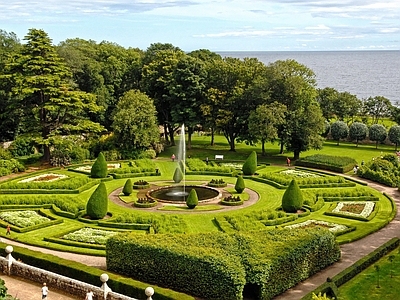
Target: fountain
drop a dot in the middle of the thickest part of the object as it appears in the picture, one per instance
(179, 193)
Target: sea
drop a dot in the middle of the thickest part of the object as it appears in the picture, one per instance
(361, 73)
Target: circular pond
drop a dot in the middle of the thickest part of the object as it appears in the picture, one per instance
(179, 193)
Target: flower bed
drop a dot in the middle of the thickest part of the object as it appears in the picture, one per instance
(232, 201)
(48, 177)
(359, 209)
(145, 203)
(299, 174)
(141, 184)
(23, 218)
(90, 235)
(217, 183)
(332, 227)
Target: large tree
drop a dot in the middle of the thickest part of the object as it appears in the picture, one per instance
(358, 131)
(45, 93)
(135, 123)
(377, 133)
(394, 135)
(264, 122)
(339, 130)
(377, 108)
(293, 85)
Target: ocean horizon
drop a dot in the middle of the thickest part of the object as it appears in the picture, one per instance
(364, 73)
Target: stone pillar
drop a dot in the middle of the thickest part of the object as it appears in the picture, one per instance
(106, 289)
(10, 259)
(149, 291)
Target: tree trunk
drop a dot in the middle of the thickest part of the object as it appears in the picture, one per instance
(296, 155)
(263, 148)
(166, 133)
(212, 137)
(282, 149)
(171, 134)
(189, 143)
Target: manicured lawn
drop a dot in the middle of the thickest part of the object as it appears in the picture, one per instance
(365, 285)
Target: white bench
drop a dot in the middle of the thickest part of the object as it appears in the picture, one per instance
(219, 157)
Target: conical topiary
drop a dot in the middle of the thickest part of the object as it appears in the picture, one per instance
(292, 199)
(178, 175)
(99, 168)
(239, 186)
(192, 199)
(97, 206)
(128, 188)
(250, 165)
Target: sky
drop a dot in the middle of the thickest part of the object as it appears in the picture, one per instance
(217, 25)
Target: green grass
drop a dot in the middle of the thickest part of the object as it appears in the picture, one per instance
(365, 284)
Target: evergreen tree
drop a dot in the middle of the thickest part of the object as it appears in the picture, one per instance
(239, 186)
(178, 175)
(292, 199)
(97, 206)
(99, 168)
(128, 188)
(192, 199)
(250, 165)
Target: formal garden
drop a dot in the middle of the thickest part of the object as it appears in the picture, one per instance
(107, 211)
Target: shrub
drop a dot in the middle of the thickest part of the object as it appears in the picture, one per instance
(97, 205)
(22, 146)
(178, 175)
(127, 190)
(292, 199)
(192, 200)
(239, 186)
(250, 165)
(99, 168)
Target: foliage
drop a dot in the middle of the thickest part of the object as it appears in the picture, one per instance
(44, 93)
(90, 235)
(22, 146)
(10, 166)
(384, 170)
(358, 131)
(239, 185)
(97, 205)
(341, 164)
(23, 218)
(234, 259)
(99, 167)
(377, 133)
(192, 200)
(127, 189)
(5, 154)
(178, 175)
(377, 108)
(339, 130)
(394, 135)
(196, 164)
(134, 122)
(250, 165)
(292, 199)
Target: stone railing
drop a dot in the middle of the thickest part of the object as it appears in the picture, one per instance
(75, 287)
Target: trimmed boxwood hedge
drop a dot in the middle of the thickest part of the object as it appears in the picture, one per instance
(224, 263)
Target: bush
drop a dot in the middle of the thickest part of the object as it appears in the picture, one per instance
(99, 168)
(128, 189)
(22, 146)
(178, 175)
(97, 205)
(250, 165)
(192, 200)
(240, 186)
(292, 199)
(5, 154)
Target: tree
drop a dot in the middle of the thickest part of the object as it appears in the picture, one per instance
(377, 133)
(339, 130)
(250, 165)
(358, 131)
(326, 98)
(192, 199)
(347, 106)
(377, 107)
(134, 122)
(264, 122)
(394, 135)
(187, 92)
(292, 199)
(178, 175)
(97, 205)
(99, 168)
(128, 188)
(239, 185)
(46, 96)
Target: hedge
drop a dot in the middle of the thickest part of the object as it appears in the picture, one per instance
(224, 263)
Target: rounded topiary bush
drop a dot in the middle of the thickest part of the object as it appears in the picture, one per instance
(239, 186)
(178, 175)
(99, 168)
(292, 199)
(192, 199)
(97, 206)
(250, 165)
(128, 189)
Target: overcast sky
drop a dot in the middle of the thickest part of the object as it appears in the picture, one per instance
(217, 25)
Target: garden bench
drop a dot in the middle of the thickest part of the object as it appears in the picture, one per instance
(218, 156)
